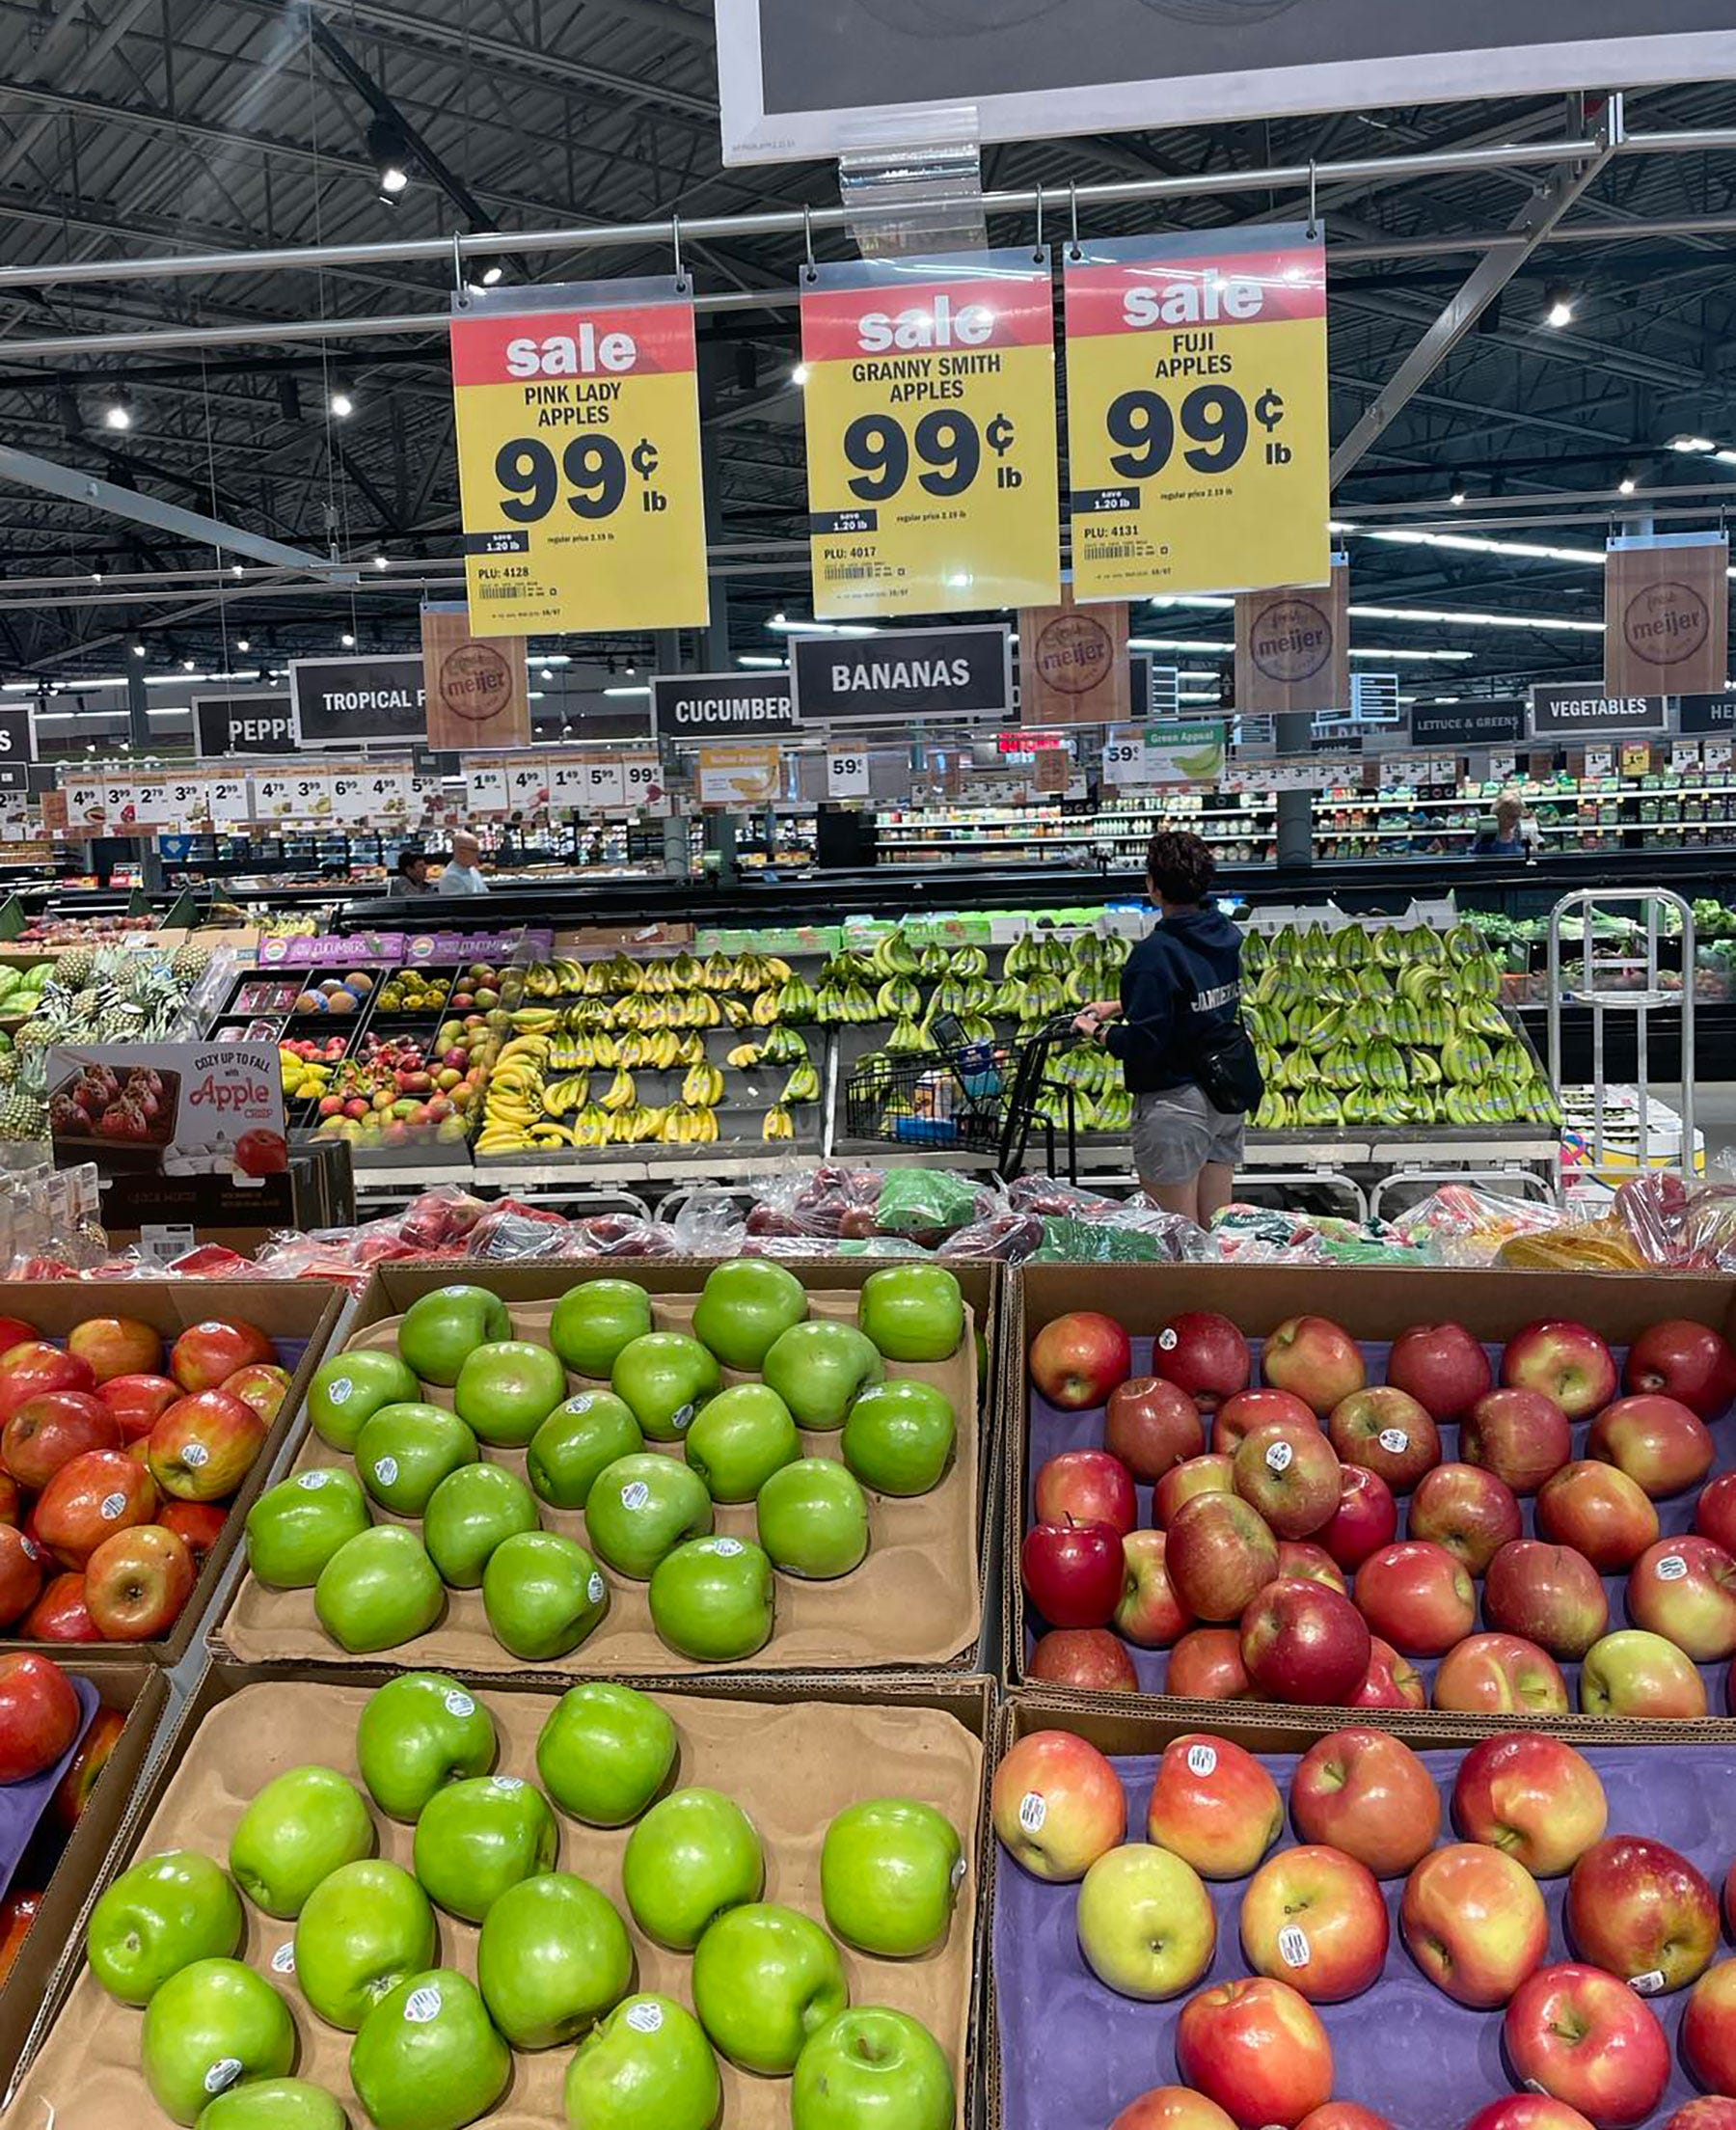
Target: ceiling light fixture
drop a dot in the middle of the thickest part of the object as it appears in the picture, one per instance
(117, 409)
(1459, 495)
(242, 645)
(347, 641)
(1692, 443)
(390, 152)
(138, 650)
(1628, 482)
(1557, 301)
(342, 402)
(380, 562)
(800, 374)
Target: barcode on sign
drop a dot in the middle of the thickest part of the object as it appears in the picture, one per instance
(1117, 551)
(843, 572)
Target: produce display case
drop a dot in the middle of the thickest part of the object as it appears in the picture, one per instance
(793, 1752)
(1373, 1305)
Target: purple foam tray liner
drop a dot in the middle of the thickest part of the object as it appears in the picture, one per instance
(23, 1804)
(1073, 2053)
(1052, 1430)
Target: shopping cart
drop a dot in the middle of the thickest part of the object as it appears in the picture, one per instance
(965, 1096)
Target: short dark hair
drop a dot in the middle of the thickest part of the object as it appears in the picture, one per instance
(411, 855)
(1179, 866)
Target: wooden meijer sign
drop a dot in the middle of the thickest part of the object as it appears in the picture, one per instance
(1292, 648)
(1666, 616)
(478, 687)
(1073, 664)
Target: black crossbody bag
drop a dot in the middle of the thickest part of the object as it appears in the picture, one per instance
(1226, 1069)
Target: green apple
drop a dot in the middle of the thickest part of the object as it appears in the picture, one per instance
(813, 1520)
(418, 1733)
(209, 2027)
(744, 1306)
(359, 1933)
(898, 1436)
(713, 1600)
(740, 1439)
(764, 1979)
(817, 1368)
(581, 1437)
(274, 2104)
(642, 1506)
(440, 1328)
(872, 2069)
(474, 1838)
(664, 1376)
(378, 1590)
(404, 1451)
(467, 1514)
(349, 1388)
(543, 1595)
(507, 1389)
(295, 1527)
(428, 2057)
(912, 1312)
(593, 1322)
(552, 1958)
(604, 1752)
(161, 1916)
(298, 1831)
(889, 1872)
(649, 2067)
(693, 1855)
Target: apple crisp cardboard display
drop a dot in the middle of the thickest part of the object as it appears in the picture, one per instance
(1060, 2046)
(791, 1752)
(1373, 1307)
(298, 1316)
(916, 1601)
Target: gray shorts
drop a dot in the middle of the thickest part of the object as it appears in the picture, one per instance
(1177, 1133)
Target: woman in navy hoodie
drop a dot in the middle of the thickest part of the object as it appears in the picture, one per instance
(1179, 1003)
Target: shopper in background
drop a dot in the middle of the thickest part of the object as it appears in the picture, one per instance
(412, 876)
(459, 875)
(1188, 1062)
(1514, 836)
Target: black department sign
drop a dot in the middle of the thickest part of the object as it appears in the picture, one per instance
(340, 702)
(1467, 724)
(720, 706)
(1708, 713)
(903, 674)
(17, 745)
(242, 725)
(1560, 711)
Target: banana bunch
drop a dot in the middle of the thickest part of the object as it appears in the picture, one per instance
(684, 1125)
(1467, 1059)
(969, 961)
(907, 1039)
(592, 1126)
(534, 1020)
(621, 1092)
(561, 1097)
(778, 1123)
(1317, 1107)
(802, 1085)
(635, 1126)
(1482, 1017)
(898, 998)
(933, 963)
(703, 1087)
(541, 981)
(744, 1058)
(783, 1046)
(894, 955)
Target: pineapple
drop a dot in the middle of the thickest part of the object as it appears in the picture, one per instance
(22, 1118)
(74, 969)
(190, 964)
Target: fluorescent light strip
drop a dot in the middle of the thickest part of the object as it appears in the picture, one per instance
(762, 658)
(1357, 651)
(1471, 543)
(626, 691)
(782, 626)
(1463, 620)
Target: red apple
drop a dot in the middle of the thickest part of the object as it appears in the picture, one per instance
(1501, 1675)
(1520, 1435)
(1256, 2048)
(1709, 2029)
(1391, 1680)
(1086, 1487)
(1416, 1597)
(72, 1792)
(1316, 1358)
(115, 1345)
(1057, 1805)
(1685, 1590)
(1656, 1441)
(52, 1429)
(1565, 1362)
(139, 1402)
(1077, 1360)
(1366, 1520)
(1688, 1361)
(137, 1582)
(198, 1525)
(60, 1614)
(205, 1357)
(1151, 1424)
(1237, 1415)
(1642, 1911)
(1073, 1573)
(1548, 1594)
(29, 1370)
(1468, 1510)
(1313, 1917)
(1581, 2035)
(1207, 1665)
(39, 1716)
(1197, 1475)
(88, 1500)
(1172, 2107)
(1090, 1658)
(1441, 1367)
(203, 1446)
(1715, 1512)
(1214, 1806)
(1149, 1612)
(1710, 2111)
(20, 1574)
(1220, 1555)
(1302, 1642)
(1533, 1798)
(262, 1385)
(1388, 1431)
(1635, 1674)
(1312, 1563)
(1343, 2115)
(1289, 1473)
(1530, 2111)
(1205, 1354)
(1368, 1793)
(12, 1499)
(14, 1331)
(1474, 1922)
(1601, 1513)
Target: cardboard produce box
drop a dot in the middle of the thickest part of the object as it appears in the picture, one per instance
(1060, 2045)
(917, 1601)
(1374, 1307)
(791, 1752)
(299, 1316)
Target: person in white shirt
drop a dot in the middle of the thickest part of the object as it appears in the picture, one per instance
(459, 875)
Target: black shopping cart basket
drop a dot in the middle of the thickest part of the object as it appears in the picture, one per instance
(966, 1096)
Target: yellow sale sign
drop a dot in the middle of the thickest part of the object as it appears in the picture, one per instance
(1196, 412)
(930, 433)
(578, 425)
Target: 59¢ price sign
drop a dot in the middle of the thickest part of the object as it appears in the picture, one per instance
(1196, 412)
(930, 411)
(577, 426)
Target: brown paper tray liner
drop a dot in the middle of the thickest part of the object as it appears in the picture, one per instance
(916, 1599)
(791, 1767)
